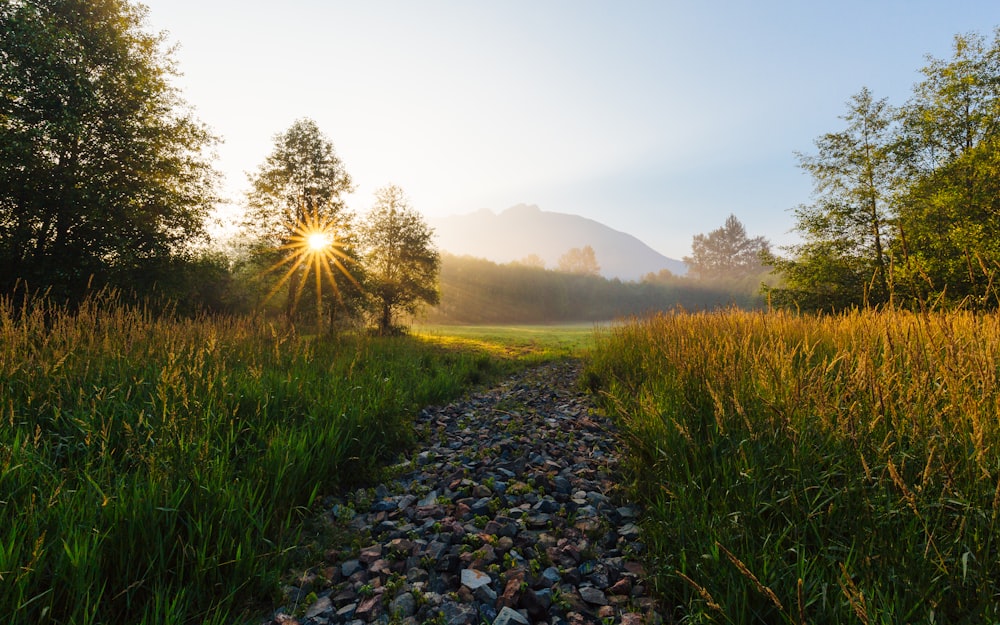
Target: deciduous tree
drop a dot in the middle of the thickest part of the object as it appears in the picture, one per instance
(950, 216)
(726, 253)
(580, 260)
(844, 260)
(296, 194)
(400, 259)
(103, 173)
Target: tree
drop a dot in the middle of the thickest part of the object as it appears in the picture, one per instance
(400, 258)
(580, 261)
(103, 176)
(847, 229)
(531, 260)
(295, 199)
(949, 218)
(726, 253)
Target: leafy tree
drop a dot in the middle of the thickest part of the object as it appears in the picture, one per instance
(580, 261)
(400, 259)
(847, 229)
(295, 196)
(103, 176)
(950, 217)
(726, 252)
(531, 260)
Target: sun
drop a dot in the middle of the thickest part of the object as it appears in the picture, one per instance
(318, 241)
(313, 250)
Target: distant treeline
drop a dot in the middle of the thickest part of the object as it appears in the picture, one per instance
(475, 290)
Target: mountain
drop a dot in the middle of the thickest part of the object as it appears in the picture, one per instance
(525, 229)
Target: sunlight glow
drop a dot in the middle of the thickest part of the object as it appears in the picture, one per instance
(313, 249)
(318, 240)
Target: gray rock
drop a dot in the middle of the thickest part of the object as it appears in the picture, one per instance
(346, 613)
(485, 594)
(404, 605)
(507, 616)
(459, 613)
(593, 595)
(473, 579)
(322, 606)
(350, 567)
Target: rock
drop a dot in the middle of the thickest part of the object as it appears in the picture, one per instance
(508, 616)
(369, 609)
(537, 603)
(473, 579)
(593, 595)
(404, 605)
(346, 613)
(458, 613)
(323, 605)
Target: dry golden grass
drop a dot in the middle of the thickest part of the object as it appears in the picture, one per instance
(855, 452)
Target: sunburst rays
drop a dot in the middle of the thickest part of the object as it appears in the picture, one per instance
(314, 250)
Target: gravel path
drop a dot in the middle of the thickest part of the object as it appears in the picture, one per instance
(506, 515)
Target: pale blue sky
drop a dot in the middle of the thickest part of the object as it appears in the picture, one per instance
(655, 118)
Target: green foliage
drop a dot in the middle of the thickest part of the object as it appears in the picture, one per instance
(158, 470)
(296, 193)
(845, 259)
(400, 259)
(102, 171)
(814, 469)
(906, 208)
(302, 177)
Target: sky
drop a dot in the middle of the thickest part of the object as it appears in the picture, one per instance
(656, 118)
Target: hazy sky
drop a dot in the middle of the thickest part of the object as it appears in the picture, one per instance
(657, 118)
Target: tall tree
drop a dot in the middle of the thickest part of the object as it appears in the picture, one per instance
(726, 252)
(847, 229)
(580, 260)
(295, 194)
(400, 259)
(103, 174)
(950, 217)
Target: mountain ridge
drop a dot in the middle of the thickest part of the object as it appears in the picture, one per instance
(525, 229)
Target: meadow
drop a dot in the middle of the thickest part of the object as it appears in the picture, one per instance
(524, 341)
(802, 469)
(159, 470)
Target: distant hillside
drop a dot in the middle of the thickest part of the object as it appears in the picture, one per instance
(523, 230)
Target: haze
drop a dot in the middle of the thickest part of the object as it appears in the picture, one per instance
(656, 118)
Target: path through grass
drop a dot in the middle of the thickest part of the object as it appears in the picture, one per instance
(158, 471)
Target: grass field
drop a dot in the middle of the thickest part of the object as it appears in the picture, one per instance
(160, 471)
(801, 469)
(530, 341)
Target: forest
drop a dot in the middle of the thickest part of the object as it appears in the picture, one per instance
(478, 291)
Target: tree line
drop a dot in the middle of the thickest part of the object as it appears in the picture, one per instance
(906, 208)
(106, 181)
(475, 290)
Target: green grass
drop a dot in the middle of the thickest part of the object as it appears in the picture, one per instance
(534, 342)
(794, 469)
(159, 471)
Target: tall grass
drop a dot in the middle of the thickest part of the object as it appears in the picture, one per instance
(156, 470)
(814, 469)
